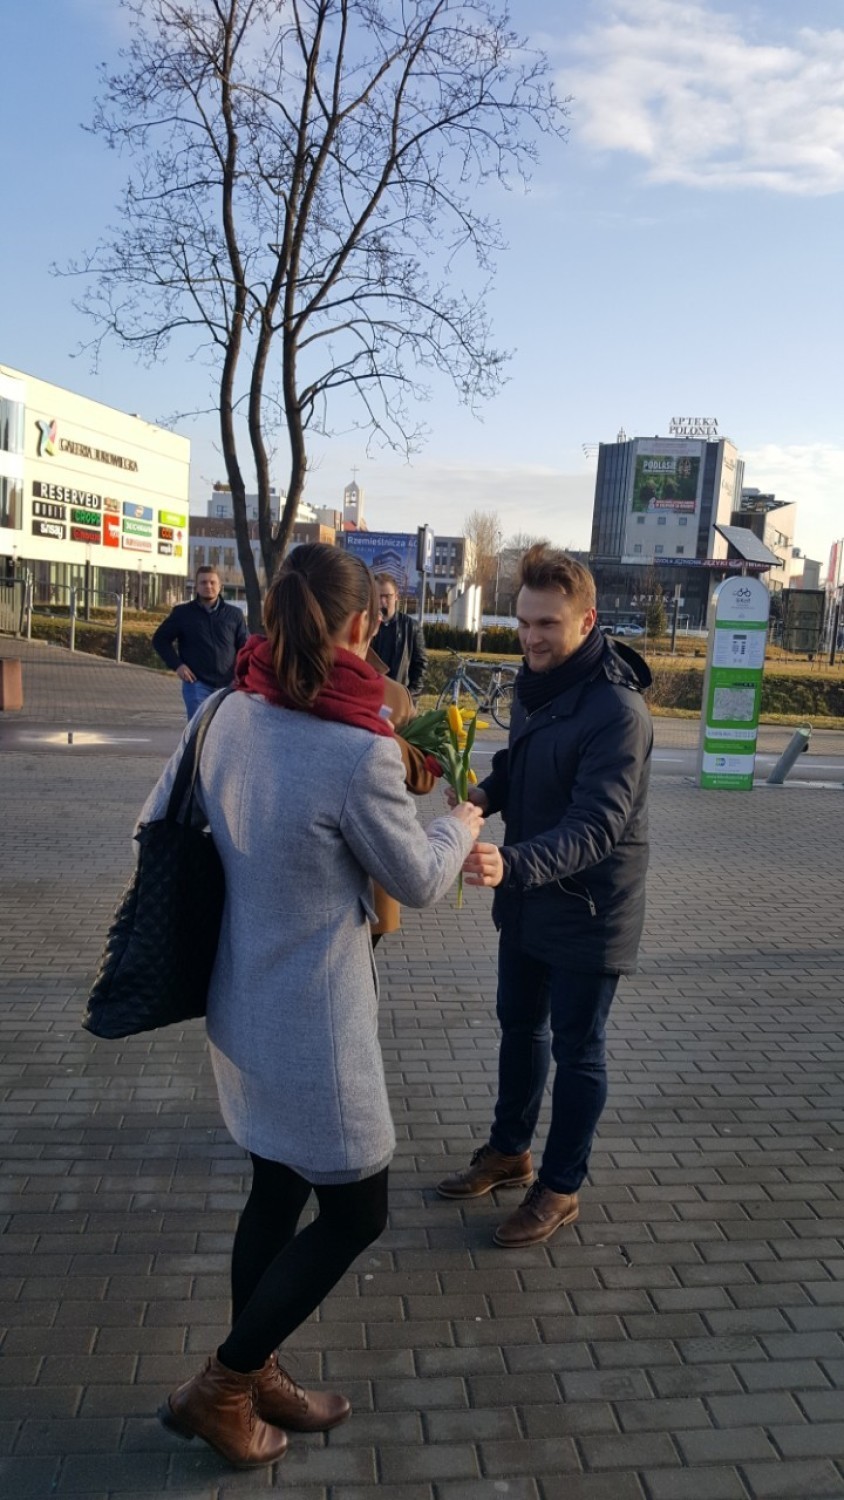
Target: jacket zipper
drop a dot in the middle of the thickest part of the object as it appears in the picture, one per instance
(582, 895)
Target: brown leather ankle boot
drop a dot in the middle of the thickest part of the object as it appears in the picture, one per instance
(279, 1400)
(218, 1405)
(488, 1169)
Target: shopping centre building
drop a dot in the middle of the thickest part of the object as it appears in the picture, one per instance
(90, 498)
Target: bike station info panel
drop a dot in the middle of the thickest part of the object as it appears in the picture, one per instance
(732, 692)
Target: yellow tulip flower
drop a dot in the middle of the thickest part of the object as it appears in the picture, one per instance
(455, 718)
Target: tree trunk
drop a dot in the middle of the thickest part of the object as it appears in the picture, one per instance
(238, 490)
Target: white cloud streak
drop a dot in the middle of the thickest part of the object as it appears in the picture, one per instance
(684, 87)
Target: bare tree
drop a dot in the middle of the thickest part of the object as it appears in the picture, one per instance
(521, 541)
(482, 530)
(305, 172)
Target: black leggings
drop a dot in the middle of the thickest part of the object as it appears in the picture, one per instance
(279, 1276)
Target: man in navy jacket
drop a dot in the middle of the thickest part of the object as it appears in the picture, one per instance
(208, 633)
(569, 885)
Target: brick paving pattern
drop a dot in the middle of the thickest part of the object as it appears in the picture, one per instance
(683, 1341)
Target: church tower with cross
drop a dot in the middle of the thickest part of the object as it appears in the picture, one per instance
(353, 504)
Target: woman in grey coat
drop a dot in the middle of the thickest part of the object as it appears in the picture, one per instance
(303, 787)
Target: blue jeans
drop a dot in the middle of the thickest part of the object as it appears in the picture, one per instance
(195, 693)
(547, 1012)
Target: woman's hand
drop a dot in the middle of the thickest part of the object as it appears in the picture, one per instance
(484, 865)
(475, 795)
(470, 815)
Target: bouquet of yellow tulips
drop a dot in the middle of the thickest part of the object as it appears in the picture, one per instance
(442, 733)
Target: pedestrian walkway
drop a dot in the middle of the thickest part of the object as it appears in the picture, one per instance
(67, 688)
(682, 1341)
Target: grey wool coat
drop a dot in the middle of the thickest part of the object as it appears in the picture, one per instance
(304, 813)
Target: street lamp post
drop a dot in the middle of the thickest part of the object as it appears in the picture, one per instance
(498, 540)
(87, 580)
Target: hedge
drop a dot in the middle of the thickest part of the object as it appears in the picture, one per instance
(497, 639)
(674, 687)
(782, 692)
(95, 639)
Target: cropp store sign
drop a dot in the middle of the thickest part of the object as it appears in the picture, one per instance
(49, 444)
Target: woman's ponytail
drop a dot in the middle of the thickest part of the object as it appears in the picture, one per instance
(316, 590)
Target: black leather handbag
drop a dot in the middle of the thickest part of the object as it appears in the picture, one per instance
(162, 942)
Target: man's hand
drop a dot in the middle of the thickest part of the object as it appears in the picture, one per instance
(185, 673)
(484, 865)
(475, 795)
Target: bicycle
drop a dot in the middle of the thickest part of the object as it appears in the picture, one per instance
(496, 698)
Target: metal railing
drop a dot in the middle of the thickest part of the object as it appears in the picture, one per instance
(20, 598)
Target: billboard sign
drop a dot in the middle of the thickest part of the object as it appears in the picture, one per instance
(695, 427)
(666, 482)
(392, 552)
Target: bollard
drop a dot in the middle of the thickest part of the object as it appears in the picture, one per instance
(797, 744)
(118, 640)
(11, 684)
(72, 642)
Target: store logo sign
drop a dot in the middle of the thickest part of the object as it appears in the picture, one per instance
(47, 430)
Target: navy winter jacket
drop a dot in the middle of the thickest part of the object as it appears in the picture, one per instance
(572, 789)
(208, 640)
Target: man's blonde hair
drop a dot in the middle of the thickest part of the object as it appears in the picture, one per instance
(544, 567)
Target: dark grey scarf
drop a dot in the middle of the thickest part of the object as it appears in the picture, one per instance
(537, 688)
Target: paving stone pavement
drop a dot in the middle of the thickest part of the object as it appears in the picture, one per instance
(682, 1341)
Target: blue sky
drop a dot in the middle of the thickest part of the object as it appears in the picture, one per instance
(679, 255)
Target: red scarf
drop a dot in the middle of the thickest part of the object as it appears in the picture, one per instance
(353, 694)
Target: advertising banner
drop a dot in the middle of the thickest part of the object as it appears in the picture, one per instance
(392, 552)
(665, 481)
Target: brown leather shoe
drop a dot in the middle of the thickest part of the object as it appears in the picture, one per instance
(540, 1215)
(218, 1405)
(488, 1169)
(279, 1400)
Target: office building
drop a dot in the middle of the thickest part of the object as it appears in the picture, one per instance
(453, 562)
(663, 519)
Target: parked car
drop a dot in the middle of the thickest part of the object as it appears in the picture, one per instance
(628, 630)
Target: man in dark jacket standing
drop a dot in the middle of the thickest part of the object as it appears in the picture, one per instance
(569, 886)
(208, 633)
(399, 641)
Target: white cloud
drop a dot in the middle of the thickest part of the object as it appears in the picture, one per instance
(702, 102)
(812, 476)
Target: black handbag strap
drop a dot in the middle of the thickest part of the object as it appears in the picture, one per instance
(180, 804)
